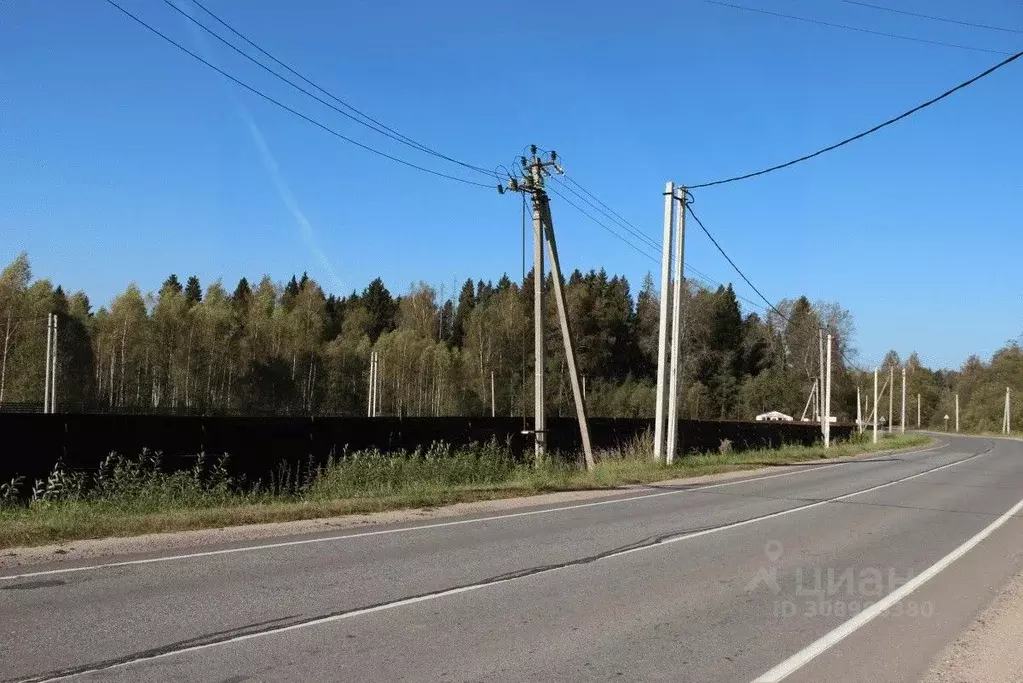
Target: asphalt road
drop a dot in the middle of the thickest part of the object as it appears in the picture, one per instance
(855, 571)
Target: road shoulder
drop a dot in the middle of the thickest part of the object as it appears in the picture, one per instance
(105, 548)
(990, 650)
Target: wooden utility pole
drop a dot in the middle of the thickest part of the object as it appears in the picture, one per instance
(532, 182)
(662, 329)
(676, 327)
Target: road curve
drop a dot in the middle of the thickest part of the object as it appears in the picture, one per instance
(856, 571)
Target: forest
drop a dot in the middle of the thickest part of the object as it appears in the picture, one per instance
(270, 348)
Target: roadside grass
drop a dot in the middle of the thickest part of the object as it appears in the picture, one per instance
(132, 496)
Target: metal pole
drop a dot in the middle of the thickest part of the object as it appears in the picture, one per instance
(676, 326)
(957, 413)
(891, 398)
(875, 405)
(539, 418)
(49, 345)
(566, 331)
(902, 423)
(827, 401)
(53, 373)
(662, 329)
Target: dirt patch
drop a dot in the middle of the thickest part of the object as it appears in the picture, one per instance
(991, 649)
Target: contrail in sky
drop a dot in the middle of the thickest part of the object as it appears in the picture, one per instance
(273, 170)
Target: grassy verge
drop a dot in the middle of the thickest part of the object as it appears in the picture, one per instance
(128, 497)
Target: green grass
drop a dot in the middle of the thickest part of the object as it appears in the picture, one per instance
(127, 497)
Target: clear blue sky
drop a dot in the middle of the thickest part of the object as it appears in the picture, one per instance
(121, 159)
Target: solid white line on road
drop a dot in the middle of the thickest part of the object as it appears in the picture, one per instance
(804, 656)
(487, 584)
(424, 527)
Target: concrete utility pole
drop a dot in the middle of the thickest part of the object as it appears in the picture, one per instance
(493, 403)
(676, 327)
(891, 398)
(811, 400)
(827, 401)
(859, 412)
(543, 230)
(1007, 420)
(902, 423)
(875, 405)
(918, 411)
(53, 372)
(821, 389)
(49, 345)
(662, 328)
(957, 413)
(369, 385)
(584, 387)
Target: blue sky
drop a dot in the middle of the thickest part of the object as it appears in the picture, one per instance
(121, 159)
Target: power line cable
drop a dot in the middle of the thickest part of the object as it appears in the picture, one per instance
(932, 17)
(947, 93)
(701, 276)
(295, 112)
(770, 306)
(603, 204)
(732, 263)
(625, 225)
(602, 225)
(820, 22)
(373, 124)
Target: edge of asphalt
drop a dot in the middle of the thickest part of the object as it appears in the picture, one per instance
(126, 546)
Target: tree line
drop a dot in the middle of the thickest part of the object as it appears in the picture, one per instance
(292, 349)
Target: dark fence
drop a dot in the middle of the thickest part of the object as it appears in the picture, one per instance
(33, 443)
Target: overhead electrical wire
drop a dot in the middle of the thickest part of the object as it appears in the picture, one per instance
(830, 24)
(896, 119)
(617, 215)
(601, 224)
(373, 124)
(706, 279)
(622, 223)
(932, 17)
(289, 109)
(770, 306)
(732, 263)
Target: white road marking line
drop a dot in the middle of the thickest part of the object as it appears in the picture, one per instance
(804, 656)
(477, 586)
(422, 527)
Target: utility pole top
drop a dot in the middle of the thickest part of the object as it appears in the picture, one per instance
(534, 168)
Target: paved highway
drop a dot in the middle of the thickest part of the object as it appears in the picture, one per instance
(853, 571)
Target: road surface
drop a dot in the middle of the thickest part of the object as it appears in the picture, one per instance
(855, 571)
